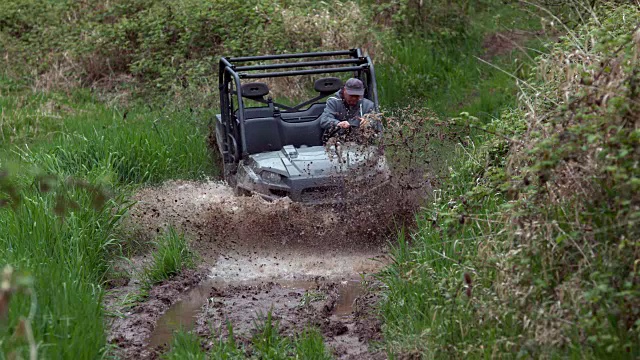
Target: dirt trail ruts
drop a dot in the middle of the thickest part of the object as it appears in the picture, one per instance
(247, 239)
(130, 329)
(347, 333)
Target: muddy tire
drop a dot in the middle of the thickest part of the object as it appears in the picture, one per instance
(216, 156)
(238, 191)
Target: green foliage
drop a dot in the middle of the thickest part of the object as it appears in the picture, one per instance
(60, 212)
(426, 18)
(530, 249)
(171, 46)
(310, 345)
(269, 344)
(130, 146)
(446, 75)
(67, 257)
(171, 256)
(580, 161)
(227, 349)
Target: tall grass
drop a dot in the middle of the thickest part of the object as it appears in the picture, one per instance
(267, 343)
(60, 234)
(185, 345)
(171, 256)
(67, 261)
(134, 145)
(526, 252)
(445, 74)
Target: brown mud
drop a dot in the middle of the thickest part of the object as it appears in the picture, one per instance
(340, 310)
(131, 327)
(255, 256)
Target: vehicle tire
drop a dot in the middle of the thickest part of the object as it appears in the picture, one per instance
(238, 191)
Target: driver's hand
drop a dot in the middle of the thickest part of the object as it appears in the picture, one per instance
(344, 124)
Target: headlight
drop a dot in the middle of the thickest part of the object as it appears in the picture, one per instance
(271, 177)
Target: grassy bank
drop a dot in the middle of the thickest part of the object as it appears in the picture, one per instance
(530, 249)
(69, 162)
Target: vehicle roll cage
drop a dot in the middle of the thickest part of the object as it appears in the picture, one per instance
(230, 72)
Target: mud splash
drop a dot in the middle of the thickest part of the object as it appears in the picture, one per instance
(220, 223)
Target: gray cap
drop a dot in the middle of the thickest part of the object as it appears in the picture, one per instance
(354, 86)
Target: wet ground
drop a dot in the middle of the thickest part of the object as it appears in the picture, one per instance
(303, 264)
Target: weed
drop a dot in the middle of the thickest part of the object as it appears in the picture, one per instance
(185, 345)
(311, 296)
(310, 345)
(171, 256)
(227, 349)
(267, 342)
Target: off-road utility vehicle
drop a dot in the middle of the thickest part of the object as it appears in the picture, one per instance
(277, 150)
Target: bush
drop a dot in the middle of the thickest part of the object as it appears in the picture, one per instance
(576, 178)
(531, 248)
(426, 18)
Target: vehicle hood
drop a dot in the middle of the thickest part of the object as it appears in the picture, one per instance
(317, 161)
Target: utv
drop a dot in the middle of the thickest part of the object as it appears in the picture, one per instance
(277, 150)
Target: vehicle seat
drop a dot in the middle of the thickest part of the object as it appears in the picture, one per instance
(302, 127)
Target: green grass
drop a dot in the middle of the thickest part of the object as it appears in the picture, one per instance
(84, 137)
(67, 261)
(267, 344)
(426, 308)
(489, 273)
(118, 148)
(446, 76)
(171, 256)
(310, 345)
(86, 156)
(185, 345)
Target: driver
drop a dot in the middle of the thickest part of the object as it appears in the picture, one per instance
(346, 110)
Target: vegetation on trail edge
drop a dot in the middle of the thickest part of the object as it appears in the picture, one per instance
(531, 249)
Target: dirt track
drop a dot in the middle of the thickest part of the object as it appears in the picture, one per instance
(255, 256)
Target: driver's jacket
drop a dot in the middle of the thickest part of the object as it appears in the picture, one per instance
(337, 110)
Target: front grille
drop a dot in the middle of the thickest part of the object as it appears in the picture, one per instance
(320, 193)
(279, 193)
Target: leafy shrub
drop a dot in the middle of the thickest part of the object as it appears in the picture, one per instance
(576, 178)
(426, 18)
(531, 247)
(172, 46)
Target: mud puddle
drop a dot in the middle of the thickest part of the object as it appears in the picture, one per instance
(185, 313)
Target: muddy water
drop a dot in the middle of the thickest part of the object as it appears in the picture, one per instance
(258, 256)
(183, 314)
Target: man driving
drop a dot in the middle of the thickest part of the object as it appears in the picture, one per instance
(346, 110)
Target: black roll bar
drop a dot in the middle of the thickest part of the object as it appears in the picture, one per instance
(352, 52)
(229, 72)
(302, 72)
(300, 64)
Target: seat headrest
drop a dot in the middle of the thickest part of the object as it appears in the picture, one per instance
(327, 85)
(255, 89)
